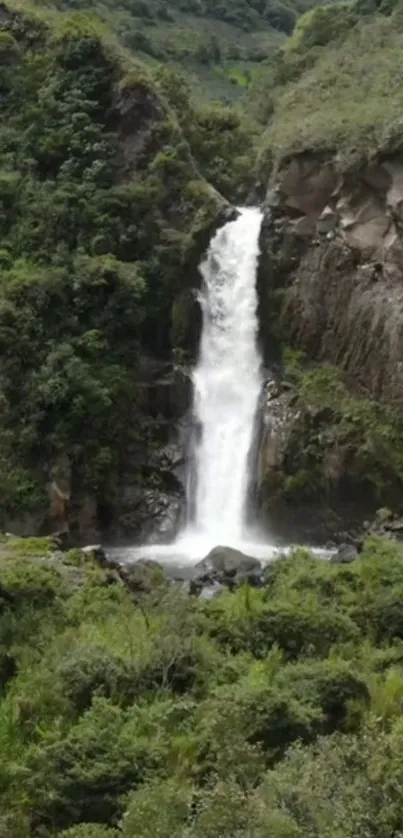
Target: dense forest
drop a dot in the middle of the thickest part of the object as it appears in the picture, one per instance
(128, 708)
(106, 175)
(99, 234)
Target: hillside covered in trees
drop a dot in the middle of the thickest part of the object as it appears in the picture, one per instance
(106, 205)
(335, 86)
(129, 708)
(219, 45)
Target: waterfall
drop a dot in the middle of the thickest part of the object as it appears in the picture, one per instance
(227, 382)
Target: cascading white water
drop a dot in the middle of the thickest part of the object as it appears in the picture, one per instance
(227, 381)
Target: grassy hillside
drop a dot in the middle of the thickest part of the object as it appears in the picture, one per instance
(336, 84)
(218, 45)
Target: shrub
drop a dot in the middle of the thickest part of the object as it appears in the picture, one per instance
(383, 618)
(89, 830)
(320, 26)
(31, 585)
(96, 671)
(158, 809)
(339, 785)
(334, 686)
(264, 715)
(294, 627)
(84, 774)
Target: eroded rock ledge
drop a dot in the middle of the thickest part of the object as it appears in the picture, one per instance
(331, 280)
(331, 285)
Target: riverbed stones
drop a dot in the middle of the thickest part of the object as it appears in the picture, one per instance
(212, 591)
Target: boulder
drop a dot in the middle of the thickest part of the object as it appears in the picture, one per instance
(346, 554)
(395, 526)
(97, 553)
(142, 577)
(228, 567)
(384, 525)
(212, 591)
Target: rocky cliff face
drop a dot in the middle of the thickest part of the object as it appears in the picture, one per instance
(337, 250)
(331, 285)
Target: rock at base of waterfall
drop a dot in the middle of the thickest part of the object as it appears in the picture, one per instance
(97, 553)
(147, 515)
(212, 591)
(228, 567)
(346, 553)
(143, 576)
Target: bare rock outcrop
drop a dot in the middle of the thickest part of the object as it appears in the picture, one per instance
(331, 284)
(332, 273)
(365, 206)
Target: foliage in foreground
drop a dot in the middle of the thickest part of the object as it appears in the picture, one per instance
(267, 711)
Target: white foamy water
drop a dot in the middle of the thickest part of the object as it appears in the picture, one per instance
(226, 385)
(227, 382)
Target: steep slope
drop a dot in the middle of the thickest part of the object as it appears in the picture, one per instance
(103, 219)
(219, 45)
(332, 275)
(326, 91)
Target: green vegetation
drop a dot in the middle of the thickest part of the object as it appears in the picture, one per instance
(220, 45)
(257, 713)
(106, 169)
(142, 712)
(343, 442)
(324, 90)
(104, 212)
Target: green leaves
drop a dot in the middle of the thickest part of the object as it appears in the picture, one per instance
(85, 774)
(341, 438)
(127, 714)
(96, 238)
